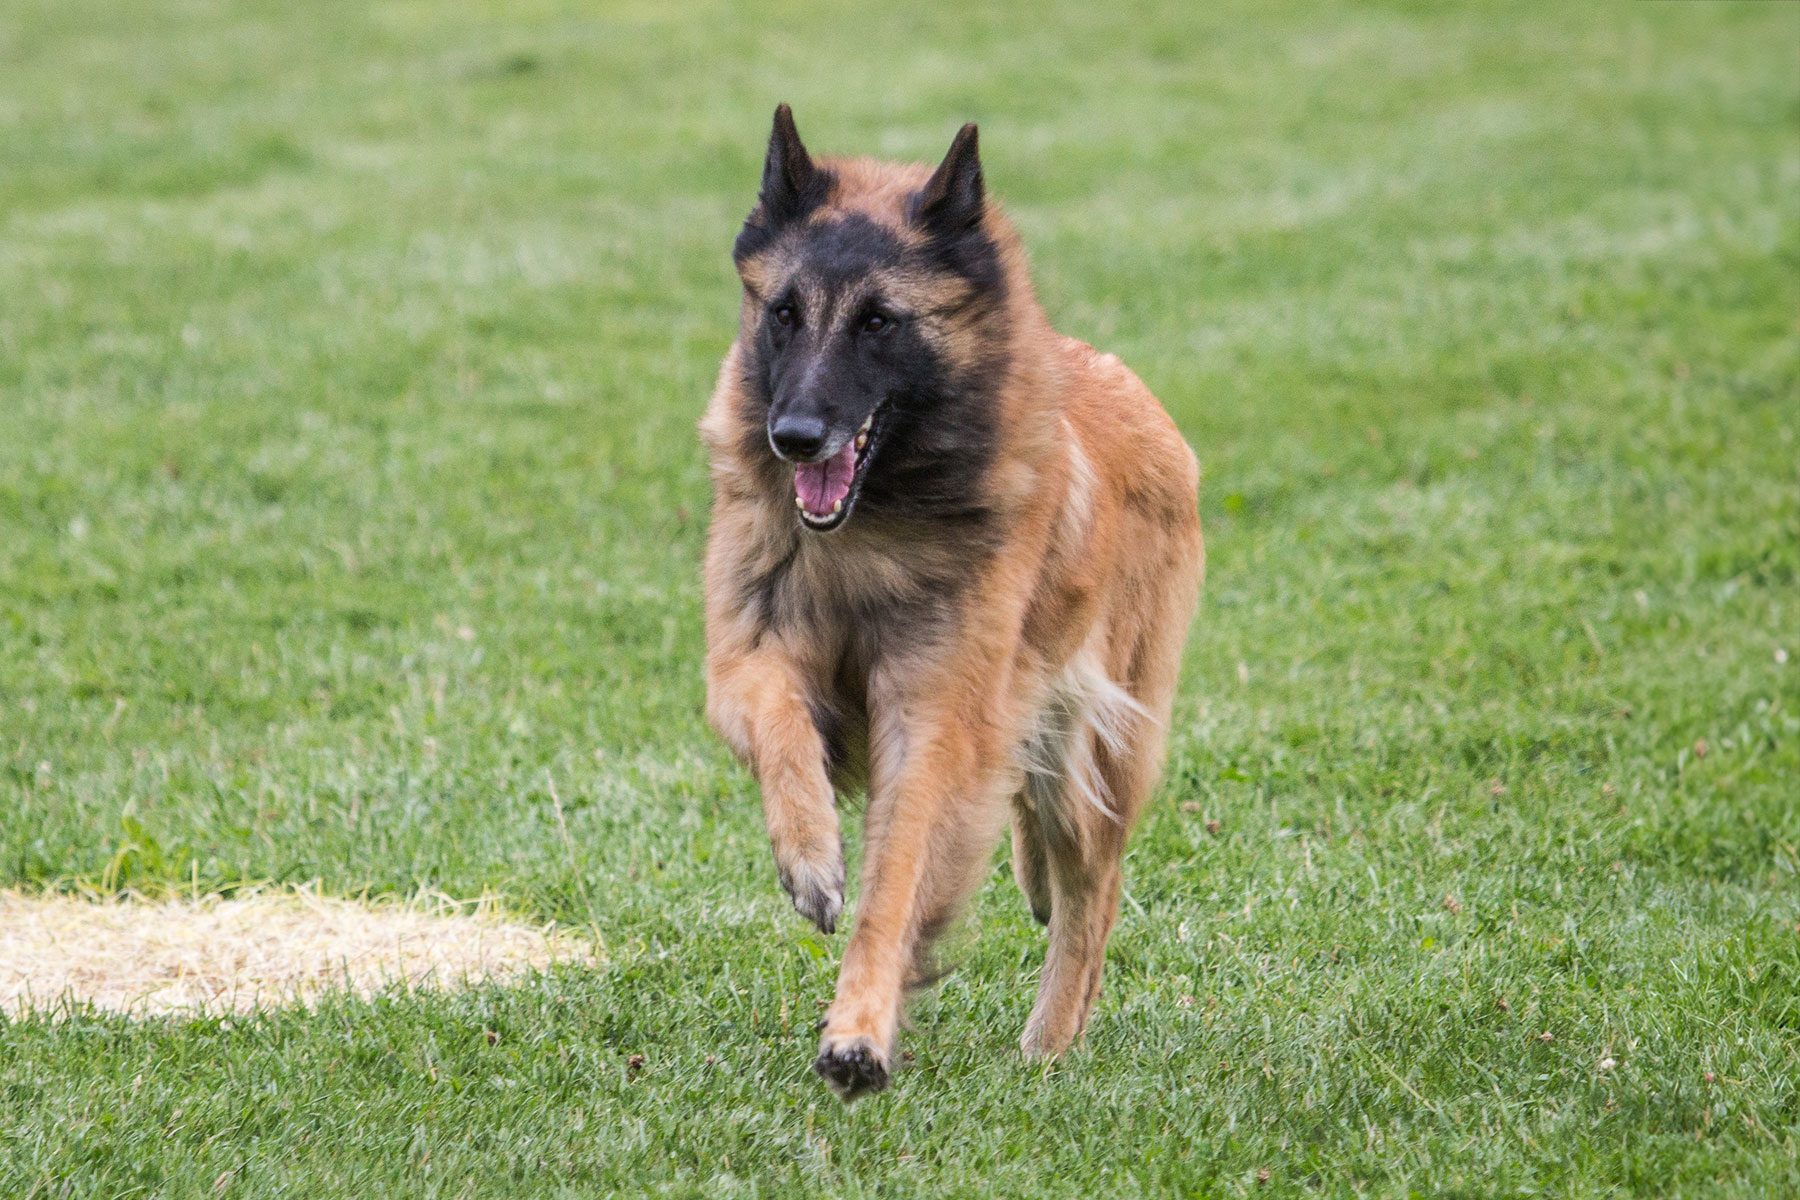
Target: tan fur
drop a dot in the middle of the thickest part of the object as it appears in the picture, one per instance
(1045, 702)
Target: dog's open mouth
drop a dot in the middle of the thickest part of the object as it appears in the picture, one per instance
(825, 491)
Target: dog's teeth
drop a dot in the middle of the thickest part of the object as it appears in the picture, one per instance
(862, 439)
(799, 504)
(867, 421)
(837, 506)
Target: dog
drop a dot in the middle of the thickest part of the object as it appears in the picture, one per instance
(952, 563)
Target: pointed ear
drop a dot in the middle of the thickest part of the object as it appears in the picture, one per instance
(954, 198)
(790, 182)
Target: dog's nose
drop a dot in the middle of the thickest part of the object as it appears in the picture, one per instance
(797, 436)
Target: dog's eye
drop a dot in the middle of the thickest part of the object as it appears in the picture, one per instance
(785, 314)
(875, 323)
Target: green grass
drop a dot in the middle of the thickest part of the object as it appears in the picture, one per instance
(349, 503)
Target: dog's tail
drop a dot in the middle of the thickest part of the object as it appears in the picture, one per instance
(1084, 711)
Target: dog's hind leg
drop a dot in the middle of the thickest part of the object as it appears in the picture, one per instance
(1108, 773)
(1081, 850)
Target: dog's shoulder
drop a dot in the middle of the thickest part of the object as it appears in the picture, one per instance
(1125, 431)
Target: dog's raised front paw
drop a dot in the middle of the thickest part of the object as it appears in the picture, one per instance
(816, 888)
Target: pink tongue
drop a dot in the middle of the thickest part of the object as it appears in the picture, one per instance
(822, 484)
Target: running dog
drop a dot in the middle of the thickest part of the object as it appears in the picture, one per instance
(952, 563)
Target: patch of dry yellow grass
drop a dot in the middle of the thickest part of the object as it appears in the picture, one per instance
(150, 957)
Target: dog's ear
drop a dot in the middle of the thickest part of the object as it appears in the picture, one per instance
(790, 183)
(954, 198)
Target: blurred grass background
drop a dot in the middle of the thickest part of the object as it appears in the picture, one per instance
(350, 505)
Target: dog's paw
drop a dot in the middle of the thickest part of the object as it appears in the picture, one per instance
(816, 888)
(1045, 1038)
(1036, 1047)
(853, 1066)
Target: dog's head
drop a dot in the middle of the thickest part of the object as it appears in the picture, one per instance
(874, 329)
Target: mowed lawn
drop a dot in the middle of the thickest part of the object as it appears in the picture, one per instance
(350, 512)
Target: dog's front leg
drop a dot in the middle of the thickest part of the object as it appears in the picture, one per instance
(936, 805)
(757, 702)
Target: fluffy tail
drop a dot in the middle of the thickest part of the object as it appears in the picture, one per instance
(1058, 755)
